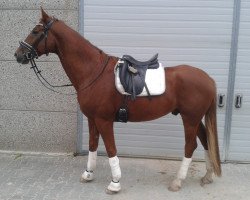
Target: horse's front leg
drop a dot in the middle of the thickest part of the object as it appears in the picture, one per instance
(106, 130)
(88, 174)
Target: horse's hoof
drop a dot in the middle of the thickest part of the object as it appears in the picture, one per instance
(82, 180)
(175, 185)
(113, 188)
(87, 177)
(206, 180)
(111, 192)
(174, 188)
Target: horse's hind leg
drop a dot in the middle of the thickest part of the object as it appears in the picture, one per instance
(203, 138)
(190, 145)
(88, 174)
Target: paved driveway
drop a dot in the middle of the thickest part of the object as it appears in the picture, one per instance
(57, 177)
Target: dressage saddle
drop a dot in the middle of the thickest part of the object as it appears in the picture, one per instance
(133, 72)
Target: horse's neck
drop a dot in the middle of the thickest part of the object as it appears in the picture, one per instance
(78, 57)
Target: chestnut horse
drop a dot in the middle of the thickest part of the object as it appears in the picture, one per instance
(189, 92)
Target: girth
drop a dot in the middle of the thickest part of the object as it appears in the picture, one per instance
(132, 74)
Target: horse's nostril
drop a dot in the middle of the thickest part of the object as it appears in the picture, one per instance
(15, 54)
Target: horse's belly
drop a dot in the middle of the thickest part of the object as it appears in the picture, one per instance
(146, 110)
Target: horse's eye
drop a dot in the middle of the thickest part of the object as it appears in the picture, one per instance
(35, 32)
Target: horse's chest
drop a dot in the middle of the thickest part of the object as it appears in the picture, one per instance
(87, 106)
(94, 106)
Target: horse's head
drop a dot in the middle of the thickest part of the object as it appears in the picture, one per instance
(40, 41)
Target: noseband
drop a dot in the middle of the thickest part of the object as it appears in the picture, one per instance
(31, 54)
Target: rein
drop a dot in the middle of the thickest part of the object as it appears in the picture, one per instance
(32, 54)
(48, 86)
(97, 77)
(40, 78)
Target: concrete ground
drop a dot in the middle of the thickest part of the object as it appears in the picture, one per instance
(57, 177)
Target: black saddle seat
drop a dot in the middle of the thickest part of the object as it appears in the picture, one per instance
(132, 73)
(151, 63)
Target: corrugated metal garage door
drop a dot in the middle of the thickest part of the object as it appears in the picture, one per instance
(239, 146)
(193, 32)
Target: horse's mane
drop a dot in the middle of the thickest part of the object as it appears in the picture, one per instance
(89, 43)
(81, 37)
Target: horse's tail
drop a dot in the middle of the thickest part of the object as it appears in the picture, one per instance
(212, 137)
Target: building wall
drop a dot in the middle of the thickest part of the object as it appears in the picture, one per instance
(193, 33)
(210, 35)
(33, 118)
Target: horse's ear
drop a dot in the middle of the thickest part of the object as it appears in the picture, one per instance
(45, 16)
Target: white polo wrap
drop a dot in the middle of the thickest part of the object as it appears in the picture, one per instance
(208, 161)
(115, 168)
(182, 173)
(91, 165)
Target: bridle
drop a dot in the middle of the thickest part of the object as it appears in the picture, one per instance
(31, 54)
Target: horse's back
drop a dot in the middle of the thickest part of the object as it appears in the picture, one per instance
(194, 89)
(186, 76)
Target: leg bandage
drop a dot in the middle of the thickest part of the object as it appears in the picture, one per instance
(115, 168)
(208, 161)
(91, 165)
(182, 173)
(115, 185)
(88, 175)
(208, 176)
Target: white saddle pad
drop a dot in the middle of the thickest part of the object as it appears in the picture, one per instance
(155, 80)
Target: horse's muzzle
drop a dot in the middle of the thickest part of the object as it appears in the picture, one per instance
(20, 58)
